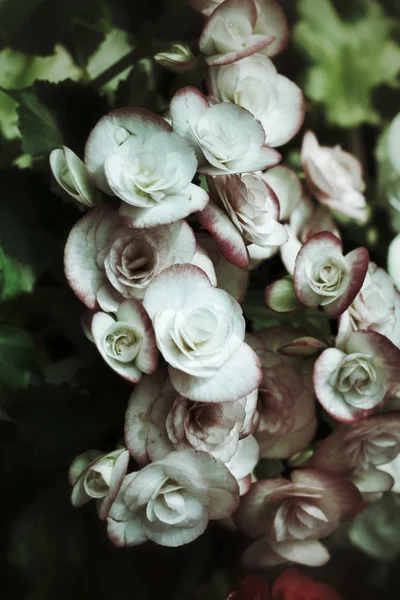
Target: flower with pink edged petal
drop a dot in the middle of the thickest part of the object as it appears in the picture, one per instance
(309, 507)
(334, 177)
(353, 381)
(255, 84)
(376, 307)
(200, 333)
(264, 553)
(172, 500)
(230, 278)
(323, 276)
(135, 155)
(253, 211)
(285, 421)
(226, 138)
(107, 261)
(127, 343)
(97, 475)
(369, 443)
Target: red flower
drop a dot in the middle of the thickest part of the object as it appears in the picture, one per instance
(294, 585)
(251, 587)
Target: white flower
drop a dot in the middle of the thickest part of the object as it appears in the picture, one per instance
(127, 344)
(135, 155)
(97, 475)
(72, 175)
(171, 501)
(274, 100)
(200, 332)
(226, 138)
(178, 58)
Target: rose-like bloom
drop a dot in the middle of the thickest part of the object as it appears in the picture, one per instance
(171, 501)
(71, 174)
(323, 276)
(127, 343)
(305, 221)
(393, 260)
(353, 381)
(107, 261)
(200, 333)
(226, 138)
(309, 507)
(255, 84)
(369, 443)
(135, 155)
(285, 418)
(376, 307)
(249, 208)
(178, 59)
(294, 585)
(240, 28)
(97, 475)
(334, 177)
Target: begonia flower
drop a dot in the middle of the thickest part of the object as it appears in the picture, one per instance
(334, 177)
(255, 84)
(369, 443)
(323, 276)
(134, 154)
(352, 381)
(126, 343)
(72, 175)
(98, 475)
(172, 500)
(200, 333)
(226, 138)
(107, 261)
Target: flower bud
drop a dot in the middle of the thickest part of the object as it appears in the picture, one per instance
(178, 59)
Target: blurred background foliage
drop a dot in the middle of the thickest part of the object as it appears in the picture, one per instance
(64, 63)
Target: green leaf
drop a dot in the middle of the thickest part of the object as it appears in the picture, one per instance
(15, 277)
(19, 366)
(348, 60)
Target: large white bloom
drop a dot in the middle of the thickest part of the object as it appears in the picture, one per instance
(200, 331)
(171, 501)
(273, 99)
(226, 138)
(134, 154)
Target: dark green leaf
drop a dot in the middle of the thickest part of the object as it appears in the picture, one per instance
(15, 277)
(18, 358)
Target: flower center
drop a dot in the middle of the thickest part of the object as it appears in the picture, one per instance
(329, 277)
(98, 479)
(122, 343)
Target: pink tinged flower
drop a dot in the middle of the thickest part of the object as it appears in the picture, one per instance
(200, 331)
(226, 138)
(255, 84)
(172, 500)
(107, 261)
(99, 476)
(135, 155)
(71, 174)
(305, 221)
(353, 381)
(368, 443)
(393, 260)
(264, 553)
(309, 507)
(334, 177)
(230, 278)
(127, 343)
(324, 277)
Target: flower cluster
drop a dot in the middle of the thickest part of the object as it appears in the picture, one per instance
(180, 208)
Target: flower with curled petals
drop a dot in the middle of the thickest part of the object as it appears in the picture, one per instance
(200, 333)
(106, 261)
(127, 343)
(359, 446)
(323, 276)
(255, 84)
(334, 177)
(97, 475)
(309, 507)
(352, 381)
(135, 155)
(226, 138)
(172, 500)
